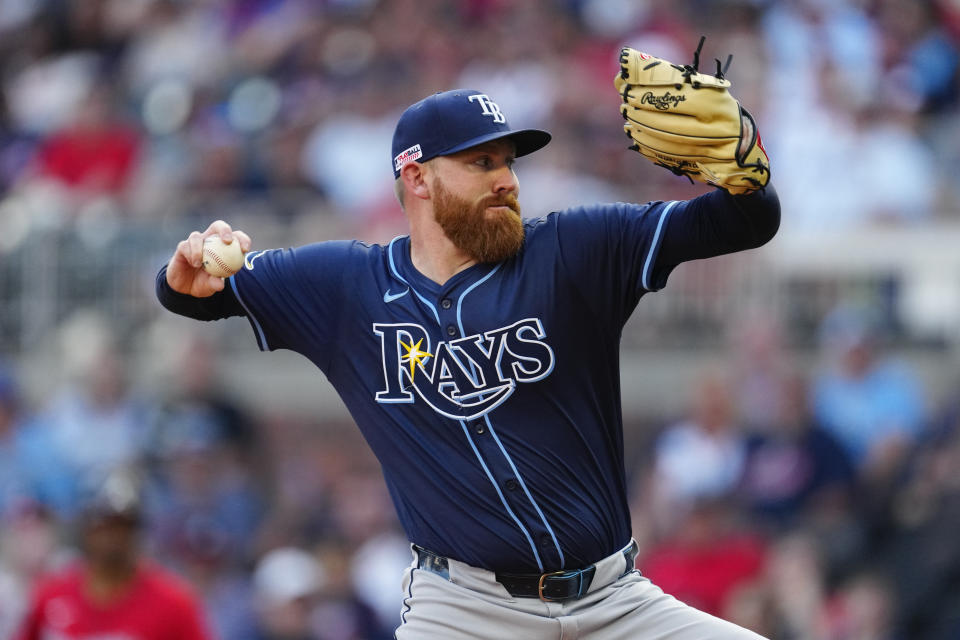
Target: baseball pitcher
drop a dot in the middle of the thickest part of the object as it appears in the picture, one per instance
(479, 354)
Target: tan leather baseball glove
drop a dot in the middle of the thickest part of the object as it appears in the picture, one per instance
(688, 122)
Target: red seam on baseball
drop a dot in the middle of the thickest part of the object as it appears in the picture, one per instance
(220, 263)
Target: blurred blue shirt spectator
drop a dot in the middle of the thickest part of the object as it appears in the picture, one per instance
(793, 466)
(31, 466)
(874, 406)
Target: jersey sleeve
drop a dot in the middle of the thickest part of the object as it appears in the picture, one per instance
(222, 304)
(610, 252)
(618, 252)
(293, 297)
(717, 223)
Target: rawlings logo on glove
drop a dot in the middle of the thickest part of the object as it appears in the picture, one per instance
(663, 102)
(689, 123)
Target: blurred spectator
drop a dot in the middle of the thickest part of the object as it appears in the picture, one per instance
(795, 581)
(340, 613)
(302, 596)
(287, 583)
(867, 140)
(351, 176)
(112, 591)
(205, 506)
(223, 584)
(176, 40)
(12, 606)
(700, 457)
(29, 548)
(309, 467)
(31, 465)
(197, 408)
(13, 13)
(749, 606)
(376, 565)
(95, 154)
(862, 610)
(920, 549)
(43, 92)
(872, 405)
(708, 559)
(920, 58)
(760, 366)
(833, 76)
(93, 419)
(793, 466)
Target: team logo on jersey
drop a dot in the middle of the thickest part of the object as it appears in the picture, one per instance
(490, 108)
(464, 378)
(250, 257)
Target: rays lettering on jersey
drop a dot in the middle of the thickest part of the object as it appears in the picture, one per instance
(463, 378)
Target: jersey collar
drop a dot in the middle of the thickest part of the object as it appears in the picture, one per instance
(401, 260)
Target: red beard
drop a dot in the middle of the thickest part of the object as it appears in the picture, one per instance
(485, 236)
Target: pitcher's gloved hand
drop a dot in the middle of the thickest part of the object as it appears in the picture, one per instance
(688, 122)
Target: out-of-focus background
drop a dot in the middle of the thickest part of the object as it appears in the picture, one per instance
(792, 417)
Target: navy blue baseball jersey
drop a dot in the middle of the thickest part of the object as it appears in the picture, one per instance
(492, 401)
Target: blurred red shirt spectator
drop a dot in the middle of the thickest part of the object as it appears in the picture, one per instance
(704, 564)
(155, 606)
(97, 152)
(113, 592)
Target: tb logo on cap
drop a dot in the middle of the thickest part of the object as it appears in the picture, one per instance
(490, 108)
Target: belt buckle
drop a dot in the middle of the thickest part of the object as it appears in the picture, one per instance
(543, 577)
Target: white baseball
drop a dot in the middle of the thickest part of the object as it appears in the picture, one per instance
(221, 259)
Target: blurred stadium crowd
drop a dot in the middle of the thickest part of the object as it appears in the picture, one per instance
(122, 107)
(809, 496)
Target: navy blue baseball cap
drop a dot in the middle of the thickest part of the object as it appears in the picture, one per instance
(452, 121)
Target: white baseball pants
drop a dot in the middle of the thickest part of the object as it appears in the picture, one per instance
(472, 605)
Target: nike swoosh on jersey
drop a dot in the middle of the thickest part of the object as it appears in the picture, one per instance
(390, 297)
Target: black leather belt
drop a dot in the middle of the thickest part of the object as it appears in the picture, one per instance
(555, 586)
